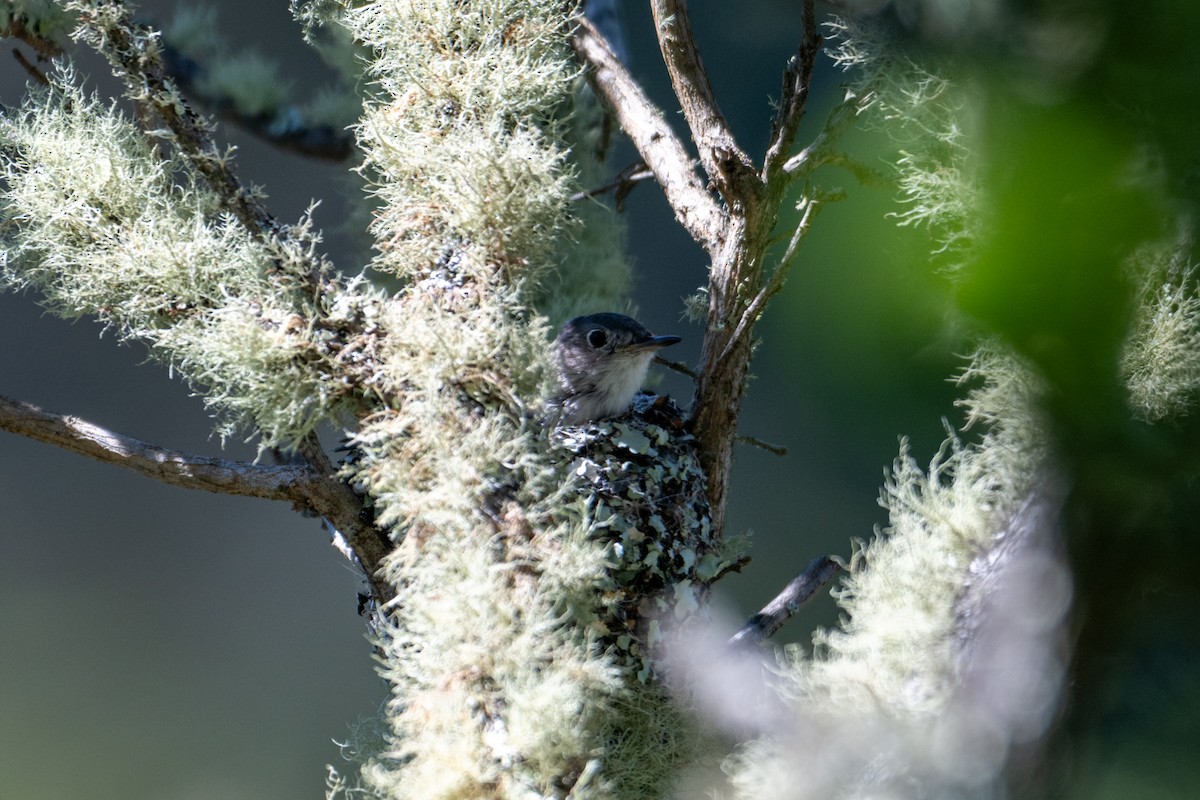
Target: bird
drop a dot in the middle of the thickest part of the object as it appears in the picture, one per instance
(602, 360)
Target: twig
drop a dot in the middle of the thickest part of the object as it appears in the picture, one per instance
(775, 282)
(867, 176)
(819, 151)
(654, 140)
(305, 486)
(31, 68)
(623, 183)
(737, 565)
(776, 449)
(677, 366)
(44, 47)
(794, 596)
(796, 81)
(725, 162)
(344, 511)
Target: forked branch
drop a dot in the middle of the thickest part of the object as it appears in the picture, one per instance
(657, 144)
(737, 233)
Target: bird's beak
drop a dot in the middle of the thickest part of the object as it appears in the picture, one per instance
(654, 343)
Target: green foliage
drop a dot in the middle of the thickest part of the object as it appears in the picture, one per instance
(1053, 213)
(1050, 276)
(931, 119)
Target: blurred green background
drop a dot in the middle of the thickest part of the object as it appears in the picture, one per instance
(169, 644)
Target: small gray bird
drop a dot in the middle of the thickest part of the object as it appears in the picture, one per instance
(602, 361)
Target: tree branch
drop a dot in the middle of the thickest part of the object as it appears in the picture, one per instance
(109, 27)
(726, 164)
(292, 483)
(30, 68)
(621, 185)
(794, 596)
(797, 78)
(312, 487)
(45, 47)
(774, 449)
(819, 151)
(344, 511)
(775, 283)
(283, 126)
(657, 144)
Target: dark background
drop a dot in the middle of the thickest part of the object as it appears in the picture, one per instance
(156, 642)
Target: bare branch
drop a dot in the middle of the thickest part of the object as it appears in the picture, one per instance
(865, 175)
(774, 449)
(312, 486)
(794, 596)
(344, 511)
(30, 68)
(291, 483)
(657, 144)
(775, 282)
(737, 290)
(797, 78)
(820, 151)
(677, 366)
(622, 184)
(726, 164)
(45, 47)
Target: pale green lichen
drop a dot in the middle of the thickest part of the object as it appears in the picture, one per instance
(495, 644)
(1161, 359)
(592, 272)
(194, 31)
(874, 706)
(477, 134)
(877, 707)
(931, 119)
(900, 596)
(466, 147)
(252, 85)
(102, 225)
(645, 495)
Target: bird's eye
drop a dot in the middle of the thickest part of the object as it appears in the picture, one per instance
(597, 338)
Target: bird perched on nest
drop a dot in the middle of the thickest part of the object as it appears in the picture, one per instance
(635, 464)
